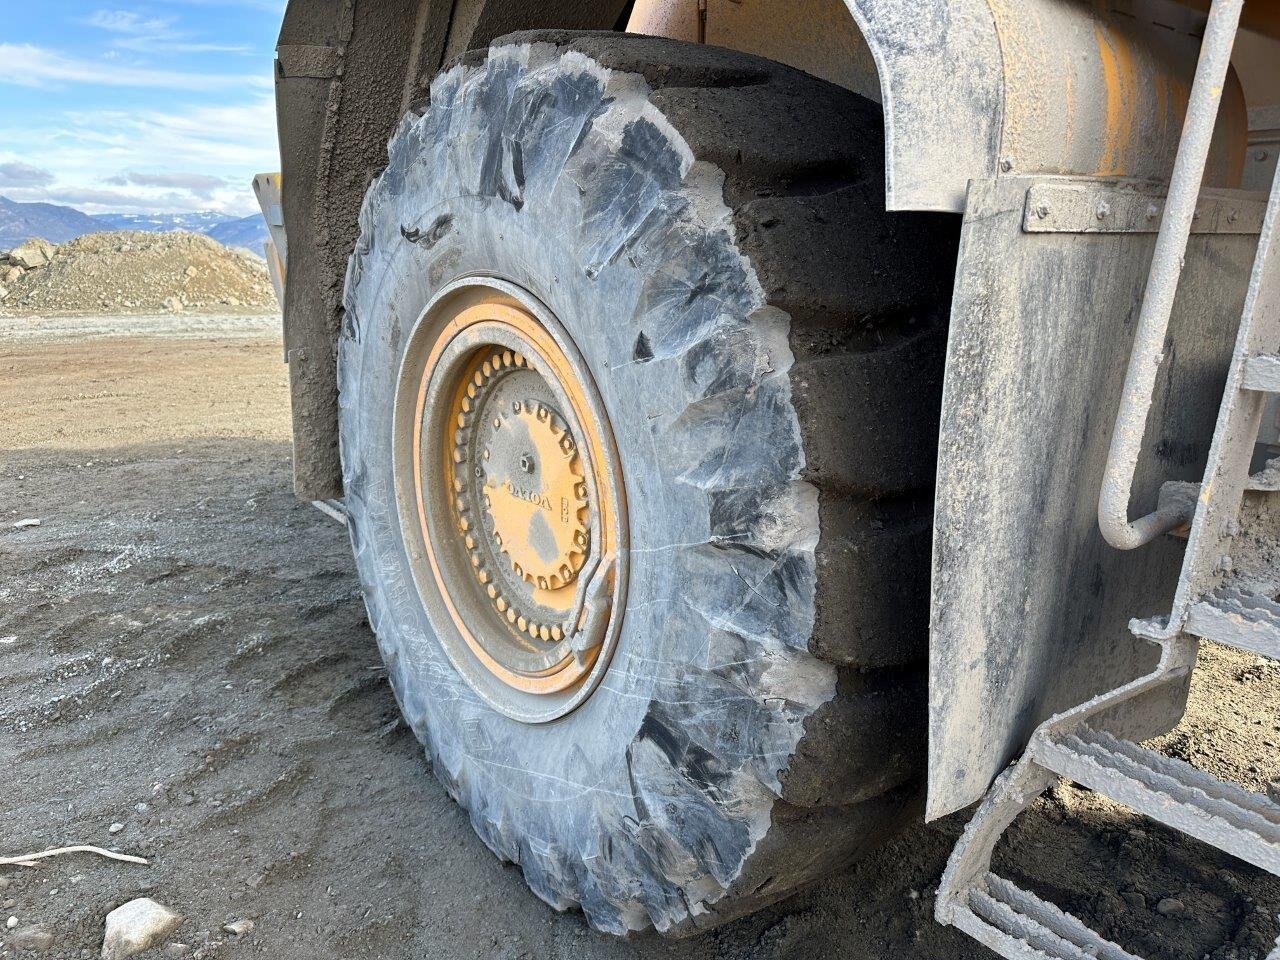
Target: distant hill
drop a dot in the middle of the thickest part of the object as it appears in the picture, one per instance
(48, 220)
(250, 232)
(58, 224)
(199, 222)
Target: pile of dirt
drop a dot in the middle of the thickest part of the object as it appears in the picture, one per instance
(127, 271)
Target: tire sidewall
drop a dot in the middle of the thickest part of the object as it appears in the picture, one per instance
(647, 799)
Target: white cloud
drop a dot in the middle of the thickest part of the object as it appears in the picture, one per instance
(199, 159)
(132, 31)
(26, 65)
(271, 6)
(195, 182)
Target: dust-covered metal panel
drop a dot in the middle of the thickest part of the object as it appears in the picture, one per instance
(1034, 87)
(1030, 606)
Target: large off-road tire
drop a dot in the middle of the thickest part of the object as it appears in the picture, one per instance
(707, 230)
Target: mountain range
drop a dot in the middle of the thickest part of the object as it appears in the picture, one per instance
(58, 224)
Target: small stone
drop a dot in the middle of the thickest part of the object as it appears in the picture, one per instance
(136, 926)
(115, 827)
(11, 922)
(238, 927)
(1134, 899)
(141, 807)
(29, 522)
(33, 939)
(177, 949)
(1171, 907)
(5, 881)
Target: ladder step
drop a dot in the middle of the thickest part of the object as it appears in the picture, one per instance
(1165, 789)
(1262, 373)
(1239, 619)
(1027, 926)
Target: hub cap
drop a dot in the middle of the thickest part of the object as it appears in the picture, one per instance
(514, 484)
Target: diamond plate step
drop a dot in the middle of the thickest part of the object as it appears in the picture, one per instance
(1246, 621)
(1176, 794)
(1017, 923)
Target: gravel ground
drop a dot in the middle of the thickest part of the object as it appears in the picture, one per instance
(183, 652)
(182, 325)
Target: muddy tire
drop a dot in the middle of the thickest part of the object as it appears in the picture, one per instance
(767, 344)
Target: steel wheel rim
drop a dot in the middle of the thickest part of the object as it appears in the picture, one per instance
(530, 624)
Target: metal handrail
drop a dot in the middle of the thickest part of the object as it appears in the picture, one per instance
(1162, 287)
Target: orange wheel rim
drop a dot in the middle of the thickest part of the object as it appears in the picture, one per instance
(517, 505)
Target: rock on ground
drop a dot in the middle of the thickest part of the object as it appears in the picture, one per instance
(31, 253)
(34, 939)
(136, 926)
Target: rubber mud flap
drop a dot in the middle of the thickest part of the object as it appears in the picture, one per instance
(663, 800)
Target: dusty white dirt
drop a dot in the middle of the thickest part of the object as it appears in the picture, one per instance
(183, 651)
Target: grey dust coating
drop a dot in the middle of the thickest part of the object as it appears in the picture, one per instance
(642, 805)
(709, 228)
(1030, 605)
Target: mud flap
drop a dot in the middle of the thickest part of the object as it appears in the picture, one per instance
(1030, 607)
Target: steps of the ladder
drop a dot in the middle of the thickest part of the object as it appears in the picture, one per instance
(1239, 619)
(1261, 372)
(1027, 927)
(1176, 794)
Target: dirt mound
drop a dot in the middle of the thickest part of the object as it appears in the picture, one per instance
(129, 271)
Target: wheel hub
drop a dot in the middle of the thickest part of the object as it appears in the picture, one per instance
(528, 490)
(537, 508)
(518, 500)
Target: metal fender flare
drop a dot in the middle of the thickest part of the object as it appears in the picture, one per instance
(976, 88)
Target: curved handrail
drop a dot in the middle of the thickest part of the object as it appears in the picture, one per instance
(1162, 288)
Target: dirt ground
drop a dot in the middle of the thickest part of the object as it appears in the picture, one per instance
(183, 652)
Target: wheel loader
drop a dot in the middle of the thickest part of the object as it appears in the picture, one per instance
(762, 425)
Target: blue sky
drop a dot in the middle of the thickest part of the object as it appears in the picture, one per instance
(138, 107)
